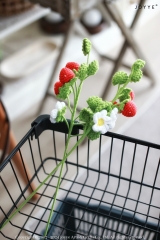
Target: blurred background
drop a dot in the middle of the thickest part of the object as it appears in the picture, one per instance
(36, 42)
(37, 39)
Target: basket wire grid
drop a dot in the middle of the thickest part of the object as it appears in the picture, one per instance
(110, 198)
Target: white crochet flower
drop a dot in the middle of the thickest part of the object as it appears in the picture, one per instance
(103, 122)
(54, 112)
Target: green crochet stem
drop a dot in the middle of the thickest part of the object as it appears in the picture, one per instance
(44, 181)
(56, 168)
(30, 196)
(119, 91)
(54, 201)
(65, 153)
(64, 156)
(69, 106)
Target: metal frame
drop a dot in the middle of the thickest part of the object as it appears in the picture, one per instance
(81, 217)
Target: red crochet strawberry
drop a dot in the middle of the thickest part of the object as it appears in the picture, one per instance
(132, 95)
(57, 85)
(129, 109)
(72, 65)
(66, 75)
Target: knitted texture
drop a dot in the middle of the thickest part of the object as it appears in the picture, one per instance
(82, 73)
(119, 78)
(66, 75)
(136, 73)
(72, 65)
(130, 109)
(86, 46)
(93, 68)
(57, 87)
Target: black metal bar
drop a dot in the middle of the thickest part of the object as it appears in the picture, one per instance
(91, 218)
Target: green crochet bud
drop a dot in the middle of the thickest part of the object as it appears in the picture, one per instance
(86, 115)
(104, 106)
(125, 94)
(60, 116)
(93, 135)
(86, 46)
(93, 68)
(138, 64)
(82, 71)
(136, 75)
(94, 102)
(64, 92)
(119, 78)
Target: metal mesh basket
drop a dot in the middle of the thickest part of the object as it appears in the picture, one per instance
(112, 193)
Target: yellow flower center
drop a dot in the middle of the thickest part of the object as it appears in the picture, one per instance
(100, 122)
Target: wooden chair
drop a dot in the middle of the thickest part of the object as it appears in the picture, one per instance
(7, 144)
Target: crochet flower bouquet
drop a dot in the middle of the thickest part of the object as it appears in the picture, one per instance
(97, 118)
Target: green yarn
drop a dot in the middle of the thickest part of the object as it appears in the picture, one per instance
(86, 46)
(93, 68)
(94, 102)
(104, 106)
(71, 82)
(86, 115)
(136, 73)
(93, 135)
(60, 116)
(82, 71)
(138, 64)
(64, 92)
(119, 78)
(125, 94)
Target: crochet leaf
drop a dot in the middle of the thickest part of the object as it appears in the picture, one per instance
(71, 82)
(136, 73)
(86, 115)
(82, 72)
(104, 106)
(119, 78)
(93, 135)
(60, 116)
(125, 95)
(94, 102)
(93, 68)
(64, 92)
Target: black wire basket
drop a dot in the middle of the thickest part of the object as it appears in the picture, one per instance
(109, 188)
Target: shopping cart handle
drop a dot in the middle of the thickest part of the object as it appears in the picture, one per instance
(43, 123)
